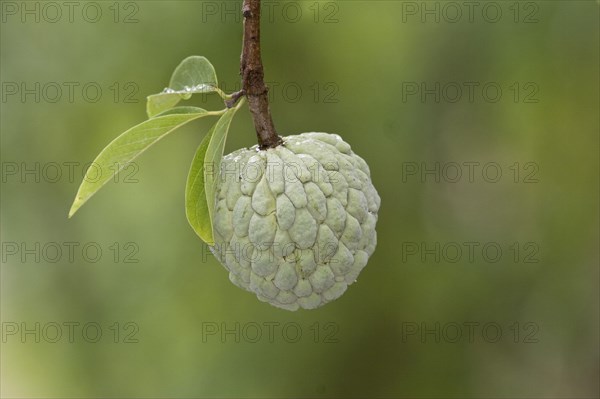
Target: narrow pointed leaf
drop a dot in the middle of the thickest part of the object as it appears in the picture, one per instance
(203, 178)
(128, 146)
(194, 74)
(196, 206)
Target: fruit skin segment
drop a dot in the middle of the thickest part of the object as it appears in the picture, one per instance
(295, 224)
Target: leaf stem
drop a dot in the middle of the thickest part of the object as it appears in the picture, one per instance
(222, 94)
(252, 72)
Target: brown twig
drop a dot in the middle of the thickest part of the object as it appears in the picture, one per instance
(252, 72)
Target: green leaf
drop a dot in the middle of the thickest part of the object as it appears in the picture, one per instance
(128, 146)
(196, 206)
(195, 74)
(203, 178)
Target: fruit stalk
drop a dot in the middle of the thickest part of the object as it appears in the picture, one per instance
(252, 72)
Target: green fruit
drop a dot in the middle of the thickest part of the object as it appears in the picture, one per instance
(295, 224)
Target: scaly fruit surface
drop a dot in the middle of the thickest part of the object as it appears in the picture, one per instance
(295, 224)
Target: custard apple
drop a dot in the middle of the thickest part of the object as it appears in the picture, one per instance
(295, 224)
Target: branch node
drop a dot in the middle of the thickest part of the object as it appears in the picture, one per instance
(230, 103)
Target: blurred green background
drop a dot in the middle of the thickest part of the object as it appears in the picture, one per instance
(423, 320)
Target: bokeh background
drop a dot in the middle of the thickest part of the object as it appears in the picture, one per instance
(423, 320)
